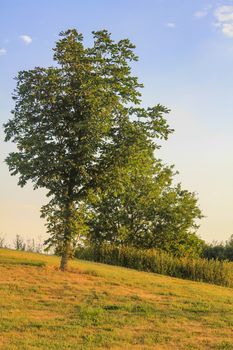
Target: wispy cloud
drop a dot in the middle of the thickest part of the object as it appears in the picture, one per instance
(171, 25)
(2, 51)
(26, 39)
(200, 14)
(224, 20)
(203, 12)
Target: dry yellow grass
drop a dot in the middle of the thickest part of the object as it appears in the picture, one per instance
(96, 306)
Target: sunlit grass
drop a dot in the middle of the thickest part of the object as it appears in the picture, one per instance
(96, 306)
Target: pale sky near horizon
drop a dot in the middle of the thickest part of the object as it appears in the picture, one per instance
(185, 50)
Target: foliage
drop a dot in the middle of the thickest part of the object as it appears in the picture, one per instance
(152, 260)
(65, 118)
(136, 202)
(56, 226)
(220, 251)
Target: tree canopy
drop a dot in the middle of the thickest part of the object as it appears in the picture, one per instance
(137, 203)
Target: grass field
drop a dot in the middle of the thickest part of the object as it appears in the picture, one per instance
(96, 306)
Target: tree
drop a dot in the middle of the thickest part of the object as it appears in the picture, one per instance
(19, 243)
(64, 118)
(138, 205)
(2, 241)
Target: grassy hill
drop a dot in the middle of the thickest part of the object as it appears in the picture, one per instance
(96, 306)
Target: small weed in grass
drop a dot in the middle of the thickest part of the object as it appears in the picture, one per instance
(89, 316)
(225, 346)
(143, 308)
(199, 307)
(98, 340)
(112, 307)
(91, 273)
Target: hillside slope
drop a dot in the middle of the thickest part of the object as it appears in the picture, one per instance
(96, 306)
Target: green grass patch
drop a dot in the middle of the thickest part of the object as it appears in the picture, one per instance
(22, 262)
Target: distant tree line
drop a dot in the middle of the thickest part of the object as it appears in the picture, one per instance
(219, 251)
(19, 243)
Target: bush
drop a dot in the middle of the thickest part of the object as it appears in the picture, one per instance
(157, 261)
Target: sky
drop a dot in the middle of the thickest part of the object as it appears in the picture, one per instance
(185, 50)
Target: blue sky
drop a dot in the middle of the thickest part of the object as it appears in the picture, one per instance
(186, 53)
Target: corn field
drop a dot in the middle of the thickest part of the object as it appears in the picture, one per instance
(157, 261)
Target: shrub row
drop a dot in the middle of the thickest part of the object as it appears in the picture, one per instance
(157, 261)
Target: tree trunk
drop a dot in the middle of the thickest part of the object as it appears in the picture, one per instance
(65, 256)
(68, 216)
(66, 251)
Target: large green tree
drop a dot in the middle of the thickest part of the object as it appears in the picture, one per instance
(137, 203)
(65, 117)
